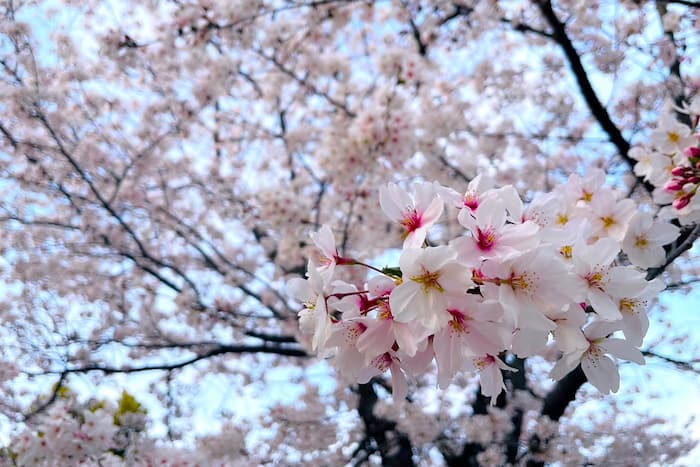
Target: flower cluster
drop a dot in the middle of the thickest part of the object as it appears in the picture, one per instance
(100, 432)
(672, 164)
(517, 279)
(70, 432)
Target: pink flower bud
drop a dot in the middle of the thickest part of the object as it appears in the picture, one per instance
(692, 152)
(679, 171)
(674, 185)
(683, 201)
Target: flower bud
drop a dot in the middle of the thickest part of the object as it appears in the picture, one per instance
(683, 201)
(679, 171)
(692, 152)
(674, 185)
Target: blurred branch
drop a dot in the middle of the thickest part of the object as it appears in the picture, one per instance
(462, 10)
(39, 222)
(415, 32)
(681, 284)
(54, 395)
(302, 81)
(596, 107)
(518, 380)
(39, 115)
(680, 2)
(684, 243)
(219, 350)
(686, 365)
(555, 404)
(675, 69)
(394, 446)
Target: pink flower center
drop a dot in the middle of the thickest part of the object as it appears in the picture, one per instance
(524, 282)
(353, 331)
(412, 221)
(597, 280)
(382, 362)
(471, 200)
(484, 362)
(486, 239)
(459, 321)
(631, 305)
(385, 311)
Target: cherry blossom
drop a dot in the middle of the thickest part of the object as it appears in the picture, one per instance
(416, 213)
(603, 281)
(329, 257)
(490, 376)
(532, 284)
(473, 330)
(314, 318)
(430, 276)
(671, 136)
(491, 236)
(645, 238)
(600, 369)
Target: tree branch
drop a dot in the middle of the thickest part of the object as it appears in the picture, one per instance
(596, 107)
(684, 243)
(220, 350)
(555, 404)
(680, 2)
(394, 446)
(54, 395)
(687, 365)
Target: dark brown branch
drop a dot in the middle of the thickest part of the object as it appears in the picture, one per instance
(455, 170)
(108, 207)
(394, 446)
(464, 11)
(563, 393)
(220, 350)
(272, 338)
(54, 395)
(209, 261)
(415, 32)
(596, 107)
(518, 380)
(555, 404)
(467, 457)
(39, 222)
(522, 27)
(686, 365)
(681, 284)
(680, 2)
(684, 243)
(16, 144)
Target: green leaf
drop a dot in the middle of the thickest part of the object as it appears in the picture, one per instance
(391, 271)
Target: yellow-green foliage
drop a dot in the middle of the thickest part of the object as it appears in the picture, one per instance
(127, 404)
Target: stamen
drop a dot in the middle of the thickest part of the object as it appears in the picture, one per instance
(486, 239)
(429, 280)
(412, 221)
(641, 242)
(459, 321)
(608, 221)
